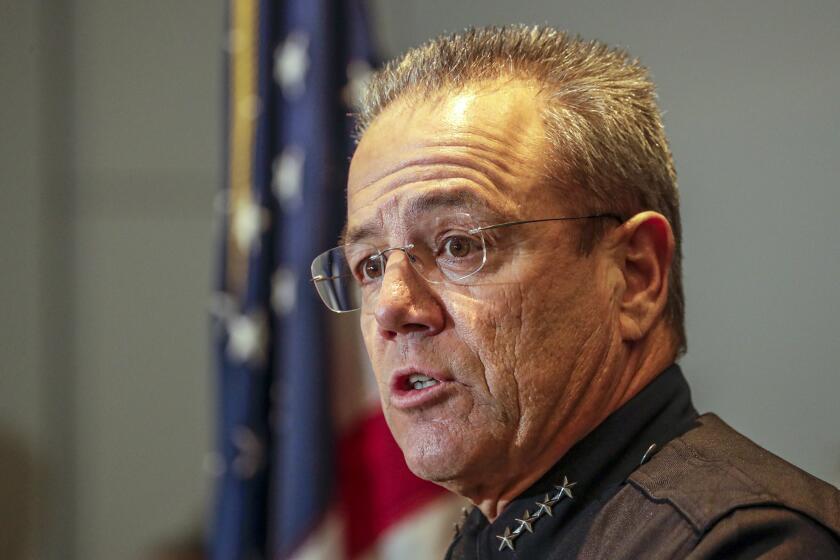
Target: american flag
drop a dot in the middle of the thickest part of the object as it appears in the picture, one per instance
(305, 465)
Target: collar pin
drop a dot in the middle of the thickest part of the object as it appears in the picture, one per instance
(564, 489)
(545, 506)
(526, 522)
(507, 539)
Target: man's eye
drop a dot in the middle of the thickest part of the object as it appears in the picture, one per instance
(457, 246)
(371, 268)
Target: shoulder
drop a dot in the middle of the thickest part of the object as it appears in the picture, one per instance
(712, 469)
(733, 493)
(633, 524)
(766, 532)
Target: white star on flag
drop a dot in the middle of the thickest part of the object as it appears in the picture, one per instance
(291, 61)
(249, 221)
(358, 76)
(288, 177)
(283, 290)
(247, 338)
(251, 454)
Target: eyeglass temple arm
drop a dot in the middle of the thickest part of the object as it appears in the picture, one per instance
(323, 278)
(505, 224)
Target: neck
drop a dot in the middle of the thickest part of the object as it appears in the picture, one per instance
(644, 362)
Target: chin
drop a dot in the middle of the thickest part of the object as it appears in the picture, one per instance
(434, 469)
(434, 458)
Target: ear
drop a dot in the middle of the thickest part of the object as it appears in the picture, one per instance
(648, 247)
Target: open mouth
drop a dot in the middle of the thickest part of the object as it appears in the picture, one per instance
(411, 389)
(418, 381)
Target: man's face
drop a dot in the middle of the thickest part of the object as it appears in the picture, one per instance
(511, 353)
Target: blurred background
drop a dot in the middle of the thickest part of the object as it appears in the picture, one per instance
(111, 115)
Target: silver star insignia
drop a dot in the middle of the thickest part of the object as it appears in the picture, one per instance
(507, 539)
(545, 506)
(526, 523)
(565, 488)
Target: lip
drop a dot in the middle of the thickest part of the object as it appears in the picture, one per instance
(403, 398)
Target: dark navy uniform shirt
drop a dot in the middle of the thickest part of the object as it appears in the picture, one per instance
(710, 493)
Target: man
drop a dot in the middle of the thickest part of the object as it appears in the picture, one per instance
(513, 245)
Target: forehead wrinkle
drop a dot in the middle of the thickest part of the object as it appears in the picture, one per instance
(459, 198)
(497, 164)
(500, 147)
(451, 165)
(455, 198)
(485, 148)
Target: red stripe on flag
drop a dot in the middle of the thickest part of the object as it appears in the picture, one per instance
(376, 489)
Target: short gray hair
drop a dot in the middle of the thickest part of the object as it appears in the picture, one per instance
(603, 125)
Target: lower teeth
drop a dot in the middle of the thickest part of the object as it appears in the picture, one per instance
(423, 384)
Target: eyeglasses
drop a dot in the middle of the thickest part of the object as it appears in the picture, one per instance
(441, 249)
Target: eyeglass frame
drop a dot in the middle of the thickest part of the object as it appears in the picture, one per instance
(405, 248)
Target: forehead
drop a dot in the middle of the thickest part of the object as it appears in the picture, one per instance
(481, 149)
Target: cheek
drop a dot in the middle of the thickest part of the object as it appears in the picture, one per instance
(564, 325)
(488, 322)
(555, 320)
(562, 302)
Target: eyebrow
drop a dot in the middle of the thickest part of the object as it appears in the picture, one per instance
(461, 199)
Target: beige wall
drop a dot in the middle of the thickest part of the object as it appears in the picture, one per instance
(23, 406)
(147, 135)
(110, 160)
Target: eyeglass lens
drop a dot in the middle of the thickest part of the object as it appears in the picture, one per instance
(440, 249)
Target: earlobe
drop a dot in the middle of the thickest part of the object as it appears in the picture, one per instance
(630, 328)
(647, 250)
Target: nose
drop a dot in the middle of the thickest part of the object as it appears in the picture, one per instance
(406, 304)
